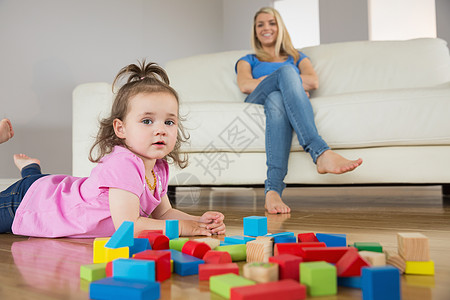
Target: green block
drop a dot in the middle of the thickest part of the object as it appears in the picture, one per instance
(93, 272)
(237, 252)
(177, 244)
(320, 278)
(368, 246)
(222, 284)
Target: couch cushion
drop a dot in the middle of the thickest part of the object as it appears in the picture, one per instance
(374, 65)
(367, 119)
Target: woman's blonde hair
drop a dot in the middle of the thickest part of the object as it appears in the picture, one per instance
(143, 78)
(283, 45)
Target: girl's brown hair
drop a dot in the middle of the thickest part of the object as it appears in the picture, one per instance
(283, 45)
(143, 78)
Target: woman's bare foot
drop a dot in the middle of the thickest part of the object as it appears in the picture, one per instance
(21, 161)
(6, 130)
(275, 205)
(331, 162)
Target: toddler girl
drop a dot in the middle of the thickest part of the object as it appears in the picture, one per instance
(130, 180)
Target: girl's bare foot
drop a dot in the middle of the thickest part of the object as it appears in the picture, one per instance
(6, 130)
(21, 161)
(331, 162)
(275, 205)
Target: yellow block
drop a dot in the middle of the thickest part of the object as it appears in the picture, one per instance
(420, 267)
(100, 250)
(104, 255)
(171, 266)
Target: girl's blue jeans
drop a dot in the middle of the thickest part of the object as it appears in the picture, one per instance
(12, 196)
(287, 108)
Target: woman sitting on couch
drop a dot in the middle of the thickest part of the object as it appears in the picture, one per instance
(279, 77)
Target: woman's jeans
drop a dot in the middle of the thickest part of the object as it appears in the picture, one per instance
(12, 196)
(287, 108)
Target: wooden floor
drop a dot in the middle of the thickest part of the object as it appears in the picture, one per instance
(32, 268)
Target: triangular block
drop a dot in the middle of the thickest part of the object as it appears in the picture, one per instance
(350, 264)
(123, 237)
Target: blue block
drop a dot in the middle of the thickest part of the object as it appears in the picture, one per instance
(123, 237)
(238, 239)
(134, 269)
(285, 239)
(172, 229)
(117, 289)
(333, 239)
(184, 264)
(255, 226)
(380, 283)
(352, 282)
(139, 246)
(222, 243)
(287, 233)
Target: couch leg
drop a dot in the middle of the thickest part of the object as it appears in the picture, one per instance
(446, 190)
(172, 194)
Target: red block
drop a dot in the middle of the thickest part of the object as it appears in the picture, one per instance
(307, 237)
(157, 240)
(207, 270)
(286, 289)
(196, 249)
(109, 269)
(350, 264)
(217, 257)
(143, 233)
(328, 254)
(294, 248)
(162, 262)
(288, 266)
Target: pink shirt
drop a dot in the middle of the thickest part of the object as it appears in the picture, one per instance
(66, 206)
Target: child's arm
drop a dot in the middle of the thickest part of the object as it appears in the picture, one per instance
(210, 220)
(125, 206)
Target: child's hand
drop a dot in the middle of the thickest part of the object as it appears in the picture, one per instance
(191, 228)
(213, 221)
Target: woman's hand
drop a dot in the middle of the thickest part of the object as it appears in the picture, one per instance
(213, 221)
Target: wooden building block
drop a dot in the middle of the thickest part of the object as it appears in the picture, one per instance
(380, 283)
(287, 289)
(205, 271)
(285, 239)
(413, 246)
(319, 277)
(374, 258)
(143, 234)
(158, 241)
(255, 226)
(123, 237)
(162, 262)
(237, 252)
(172, 229)
(350, 264)
(109, 269)
(332, 239)
(259, 251)
(99, 255)
(177, 244)
(139, 246)
(134, 269)
(217, 257)
(368, 246)
(112, 254)
(222, 284)
(211, 242)
(93, 272)
(117, 289)
(328, 254)
(184, 264)
(238, 239)
(261, 272)
(394, 259)
(288, 265)
(196, 249)
(307, 237)
(295, 248)
(419, 267)
(281, 234)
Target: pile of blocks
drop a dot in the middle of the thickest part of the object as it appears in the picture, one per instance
(280, 265)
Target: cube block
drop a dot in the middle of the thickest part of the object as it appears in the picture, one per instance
(380, 283)
(222, 284)
(319, 277)
(172, 229)
(93, 272)
(255, 226)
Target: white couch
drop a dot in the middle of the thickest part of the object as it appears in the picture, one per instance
(387, 102)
